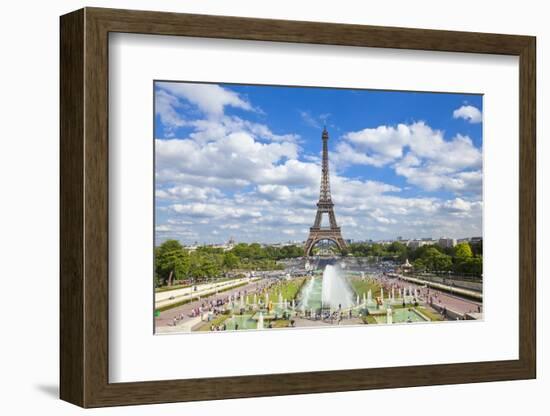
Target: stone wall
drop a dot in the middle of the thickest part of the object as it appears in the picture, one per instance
(452, 315)
(471, 285)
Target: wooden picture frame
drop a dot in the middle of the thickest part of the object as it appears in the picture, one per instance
(84, 207)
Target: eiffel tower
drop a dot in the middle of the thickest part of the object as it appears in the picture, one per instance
(324, 206)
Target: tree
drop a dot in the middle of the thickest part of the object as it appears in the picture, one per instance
(463, 251)
(419, 251)
(376, 250)
(210, 266)
(475, 265)
(441, 262)
(358, 249)
(195, 268)
(209, 250)
(477, 247)
(230, 260)
(472, 265)
(464, 261)
(434, 260)
(171, 262)
(255, 251)
(241, 250)
(398, 249)
(287, 252)
(419, 265)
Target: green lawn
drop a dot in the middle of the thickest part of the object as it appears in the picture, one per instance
(280, 323)
(361, 286)
(426, 311)
(288, 288)
(369, 319)
(430, 313)
(218, 320)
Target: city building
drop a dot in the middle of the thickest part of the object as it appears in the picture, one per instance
(284, 244)
(224, 246)
(446, 242)
(414, 244)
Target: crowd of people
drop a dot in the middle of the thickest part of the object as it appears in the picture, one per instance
(215, 304)
(240, 301)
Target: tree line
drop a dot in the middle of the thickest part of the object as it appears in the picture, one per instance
(175, 263)
(464, 258)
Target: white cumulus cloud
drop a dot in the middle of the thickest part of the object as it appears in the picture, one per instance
(418, 152)
(209, 98)
(232, 176)
(469, 113)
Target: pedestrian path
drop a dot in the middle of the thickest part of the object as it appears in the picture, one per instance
(186, 326)
(172, 297)
(451, 289)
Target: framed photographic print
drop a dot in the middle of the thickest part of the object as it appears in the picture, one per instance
(255, 207)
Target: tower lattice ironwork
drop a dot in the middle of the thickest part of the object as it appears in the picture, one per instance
(324, 206)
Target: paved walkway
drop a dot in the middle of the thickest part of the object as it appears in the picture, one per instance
(304, 323)
(178, 295)
(182, 326)
(451, 302)
(185, 321)
(183, 312)
(445, 288)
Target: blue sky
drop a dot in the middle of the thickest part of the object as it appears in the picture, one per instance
(242, 161)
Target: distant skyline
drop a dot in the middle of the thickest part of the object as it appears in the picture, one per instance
(243, 161)
(403, 240)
